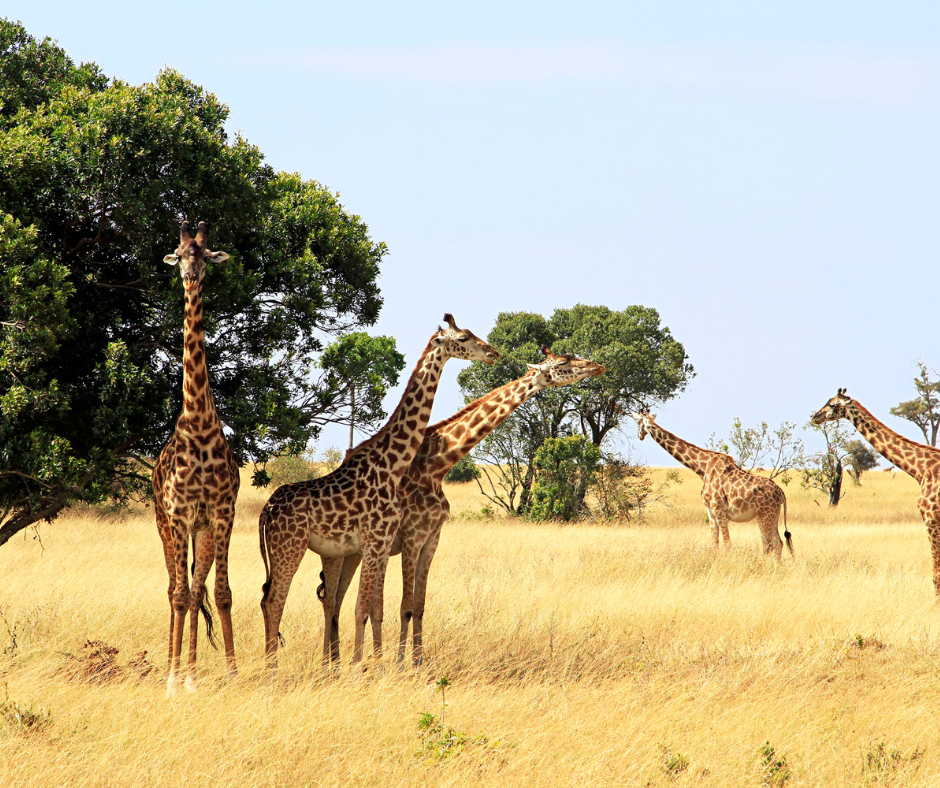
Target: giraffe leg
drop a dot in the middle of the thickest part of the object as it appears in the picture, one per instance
(283, 560)
(372, 555)
(180, 599)
(350, 565)
(713, 524)
(169, 556)
(222, 519)
(933, 533)
(409, 561)
(332, 571)
(769, 535)
(421, 589)
(377, 610)
(203, 555)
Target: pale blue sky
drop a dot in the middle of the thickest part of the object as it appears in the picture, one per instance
(765, 175)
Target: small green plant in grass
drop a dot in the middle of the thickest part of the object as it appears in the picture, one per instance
(674, 763)
(882, 764)
(23, 720)
(774, 770)
(440, 741)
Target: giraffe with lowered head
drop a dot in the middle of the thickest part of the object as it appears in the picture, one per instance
(421, 497)
(355, 509)
(730, 494)
(195, 481)
(917, 459)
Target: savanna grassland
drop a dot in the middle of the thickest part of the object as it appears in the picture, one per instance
(599, 654)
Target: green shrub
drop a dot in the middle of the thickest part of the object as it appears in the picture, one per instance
(564, 469)
(465, 470)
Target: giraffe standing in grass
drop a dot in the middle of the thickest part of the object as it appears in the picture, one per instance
(730, 494)
(195, 480)
(355, 510)
(917, 459)
(421, 497)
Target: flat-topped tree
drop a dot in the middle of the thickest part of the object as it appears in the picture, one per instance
(729, 493)
(917, 459)
(354, 510)
(195, 480)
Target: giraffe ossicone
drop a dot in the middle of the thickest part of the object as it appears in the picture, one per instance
(195, 480)
(916, 459)
(352, 514)
(730, 494)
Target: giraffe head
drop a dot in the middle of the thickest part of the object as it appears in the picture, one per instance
(192, 255)
(561, 370)
(463, 343)
(643, 420)
(833, 410)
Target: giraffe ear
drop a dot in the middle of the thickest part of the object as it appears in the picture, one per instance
(171, 259)
(216, 257)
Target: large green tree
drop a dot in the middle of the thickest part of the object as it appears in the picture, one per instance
(645, 364)
(95, 178)
(924, 409)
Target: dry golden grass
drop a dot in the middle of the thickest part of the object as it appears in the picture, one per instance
(602, 654)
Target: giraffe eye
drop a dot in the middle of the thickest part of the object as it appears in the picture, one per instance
(464, 339)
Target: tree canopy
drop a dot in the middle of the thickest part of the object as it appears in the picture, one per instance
(645, 364)
(924, 409)
(96, 177)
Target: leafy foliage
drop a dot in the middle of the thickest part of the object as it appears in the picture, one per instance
(645, 366)
(824, 470)
(924, 409)
(95, 179)
(564, 469)
(464, 470)
(757, 447)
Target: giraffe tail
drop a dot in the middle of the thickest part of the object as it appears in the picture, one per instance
(204, 602)
(786, 533)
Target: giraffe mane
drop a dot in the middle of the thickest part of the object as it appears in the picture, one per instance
(478, 402)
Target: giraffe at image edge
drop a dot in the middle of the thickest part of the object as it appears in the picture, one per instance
(195, 480)
(729, 493)
(916, 459)
(353, 513)
(421, 497)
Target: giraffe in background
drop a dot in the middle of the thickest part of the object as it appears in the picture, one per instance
(421, 497)
(730, 494)
(195, 481)
(354, 510)
(917, 459)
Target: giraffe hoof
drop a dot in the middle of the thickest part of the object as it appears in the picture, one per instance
(190, 684)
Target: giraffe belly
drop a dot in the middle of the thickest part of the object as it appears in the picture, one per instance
(742, 515)
(336, 546)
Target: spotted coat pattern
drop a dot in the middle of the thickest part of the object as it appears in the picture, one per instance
(730, 494)
(195, 480)
(421, 497)
(917, 459)
(352, 514)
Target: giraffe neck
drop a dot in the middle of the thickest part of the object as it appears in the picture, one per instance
(397, 443)
(911, 457)
(457, 435)
(197, 398)
(690, 455)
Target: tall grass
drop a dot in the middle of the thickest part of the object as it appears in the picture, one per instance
(600, 654)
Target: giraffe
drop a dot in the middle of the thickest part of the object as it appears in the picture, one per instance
(421, 497)
(195, 480)
(354, 509)
(917, 459)
(730, 494)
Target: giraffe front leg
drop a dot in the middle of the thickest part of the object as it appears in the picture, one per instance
(181, 599)
(713, 524)
(222, 519)
(421, 590)
(203, 556)
(371, 560)
(377, 611)
(331, 573)
(409, 561)
(933, 533)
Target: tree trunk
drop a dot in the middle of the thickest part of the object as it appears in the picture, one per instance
(25, 517)
(352, 413)
(835, 489)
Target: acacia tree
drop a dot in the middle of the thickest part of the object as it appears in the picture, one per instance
(824, 470)
(924, 409)
(645, 366)
(95, 178)
(757, 447)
